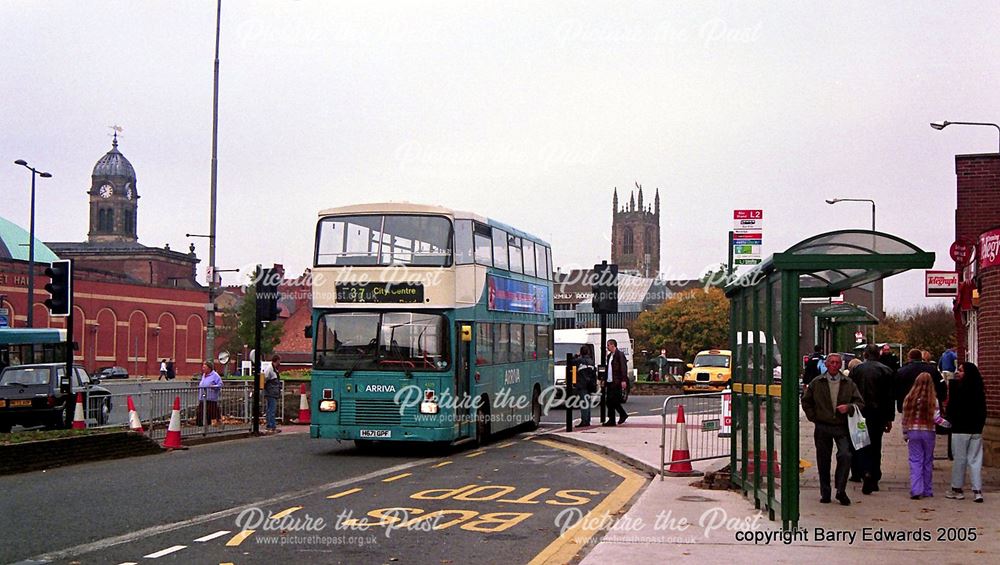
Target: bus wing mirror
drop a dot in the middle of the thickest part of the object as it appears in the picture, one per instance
(308, 331)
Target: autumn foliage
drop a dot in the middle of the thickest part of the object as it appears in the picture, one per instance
(685, 324)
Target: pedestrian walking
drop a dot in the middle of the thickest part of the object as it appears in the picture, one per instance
(888, 358)
(909, 372)
(827, 403)
(615, 384)
(163, 369)
(272, 392)
(812, 369)
(586, 382)
(875, 383)
(171, 370)
(920, 415)
(967, 413)
(209, 390)
(948, 362)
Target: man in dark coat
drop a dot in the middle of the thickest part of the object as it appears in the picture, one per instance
(908, 373)
(827, 403)
(811, 370)
(875, 383)
(888, 358)
(616, 383)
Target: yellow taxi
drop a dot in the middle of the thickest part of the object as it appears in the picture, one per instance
(710, 372)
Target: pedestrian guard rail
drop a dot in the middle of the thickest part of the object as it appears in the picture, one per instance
(707, 429)
(232, 412)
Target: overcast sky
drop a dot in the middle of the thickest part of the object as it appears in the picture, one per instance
(528, 112)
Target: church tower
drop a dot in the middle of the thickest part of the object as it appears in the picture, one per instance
(113, 199)
(635, 235)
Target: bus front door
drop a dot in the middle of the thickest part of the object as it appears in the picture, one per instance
(463, 376)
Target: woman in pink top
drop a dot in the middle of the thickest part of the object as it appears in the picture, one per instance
(920, 414)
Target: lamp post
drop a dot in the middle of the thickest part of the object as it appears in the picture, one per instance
(31, 242)
(874, 284)
(941, 125)
(210, 325)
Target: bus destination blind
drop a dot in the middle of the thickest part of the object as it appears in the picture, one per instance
(380, 293)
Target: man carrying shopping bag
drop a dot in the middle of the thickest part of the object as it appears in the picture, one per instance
(827, 403)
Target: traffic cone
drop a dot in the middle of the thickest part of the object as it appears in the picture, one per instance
(681, 450)
(133, 417)
(173, 440)
(305, 415)
(79, 423)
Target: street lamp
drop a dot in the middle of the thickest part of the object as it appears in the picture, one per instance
(874, 284)
(941, 125)
(31, 242)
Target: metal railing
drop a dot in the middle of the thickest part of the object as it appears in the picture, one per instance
(706, 426)
(231, 412)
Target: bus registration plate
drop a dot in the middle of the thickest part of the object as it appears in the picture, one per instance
(376, 434)
(380, 293)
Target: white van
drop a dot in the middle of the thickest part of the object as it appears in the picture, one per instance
(570, 341)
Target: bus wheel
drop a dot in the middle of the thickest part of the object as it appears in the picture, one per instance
(483, 424)
(536, 410)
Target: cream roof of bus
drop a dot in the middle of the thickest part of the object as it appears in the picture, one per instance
(409, 207)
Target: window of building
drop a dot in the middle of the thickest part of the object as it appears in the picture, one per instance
(627, 243)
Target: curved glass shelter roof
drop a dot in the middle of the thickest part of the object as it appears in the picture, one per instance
(845, 313)
(832, 262)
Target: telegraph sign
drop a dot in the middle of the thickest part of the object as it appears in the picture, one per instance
(940, 283)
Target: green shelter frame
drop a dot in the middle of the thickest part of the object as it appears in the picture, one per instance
(765, 312)
(833, 318)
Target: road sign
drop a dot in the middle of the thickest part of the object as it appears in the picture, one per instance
(961, 251)
(747, 261)
(989, 249)
(859, 337)
(748, 220)
(940, 283)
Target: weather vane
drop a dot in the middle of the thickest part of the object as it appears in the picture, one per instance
(117, 129)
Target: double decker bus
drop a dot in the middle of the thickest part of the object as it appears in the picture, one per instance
(428, 325)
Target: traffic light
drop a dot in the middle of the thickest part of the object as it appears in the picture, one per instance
(60, 287)
(267, 294)
(605, 288)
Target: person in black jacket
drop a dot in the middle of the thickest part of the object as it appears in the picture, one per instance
(616, 382)
(586, 382)
(967, 413)
(908, 373)
(811, 370)
(875, 383)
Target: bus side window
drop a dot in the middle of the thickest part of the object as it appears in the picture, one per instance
(483, 240)
(540, 261)
(500, 249)
(484, 344)
(464, 250)
(516, 343)
(542, 343)
(529, 258)
(530, 354)
(501, 347)
(514, 246)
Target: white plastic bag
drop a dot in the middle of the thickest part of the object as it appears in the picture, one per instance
(858, 429)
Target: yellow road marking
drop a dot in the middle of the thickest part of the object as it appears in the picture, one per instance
(475, 454)
(567, 545)
(441, 464)
(239, 538)
(503, 445)
(396, 478)
(228, 563)
(345, 493)
(286, 512)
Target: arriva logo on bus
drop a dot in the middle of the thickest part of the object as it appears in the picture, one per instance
(512, 376)
(380, 388)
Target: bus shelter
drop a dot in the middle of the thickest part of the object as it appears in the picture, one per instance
(833, 319)
(764, 336)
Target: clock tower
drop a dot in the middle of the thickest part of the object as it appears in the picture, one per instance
(113, 199)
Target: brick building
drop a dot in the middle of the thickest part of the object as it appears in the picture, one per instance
(977, 223)
(132, 304)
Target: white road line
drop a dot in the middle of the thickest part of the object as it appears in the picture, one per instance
(211, 537)
(163, 552)
(129, 563)
(165, 528)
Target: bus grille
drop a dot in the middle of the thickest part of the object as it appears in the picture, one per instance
(364, 412)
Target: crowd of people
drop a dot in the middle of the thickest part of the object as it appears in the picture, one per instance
(932, 399)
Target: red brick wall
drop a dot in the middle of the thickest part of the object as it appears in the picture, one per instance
(978, 211)
(989, 338)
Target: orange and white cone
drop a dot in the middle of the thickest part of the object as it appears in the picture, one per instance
(173, 440)
(133, 417)
(305, 415)
(681, 450)
(79, 422)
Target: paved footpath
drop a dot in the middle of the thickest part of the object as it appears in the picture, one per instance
(673, 520)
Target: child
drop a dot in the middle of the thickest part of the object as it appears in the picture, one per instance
(920, 414)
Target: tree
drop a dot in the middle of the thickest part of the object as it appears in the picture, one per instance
(923, 327)
(238, 326)
(686, 323)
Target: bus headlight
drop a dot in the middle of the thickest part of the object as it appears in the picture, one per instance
(429, 405)
(328, 406)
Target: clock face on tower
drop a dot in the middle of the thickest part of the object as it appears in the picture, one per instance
(106, 191)
(128, 191)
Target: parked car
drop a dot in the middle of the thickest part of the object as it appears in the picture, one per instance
(31, 395)
(710, 372)
(112, 373)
